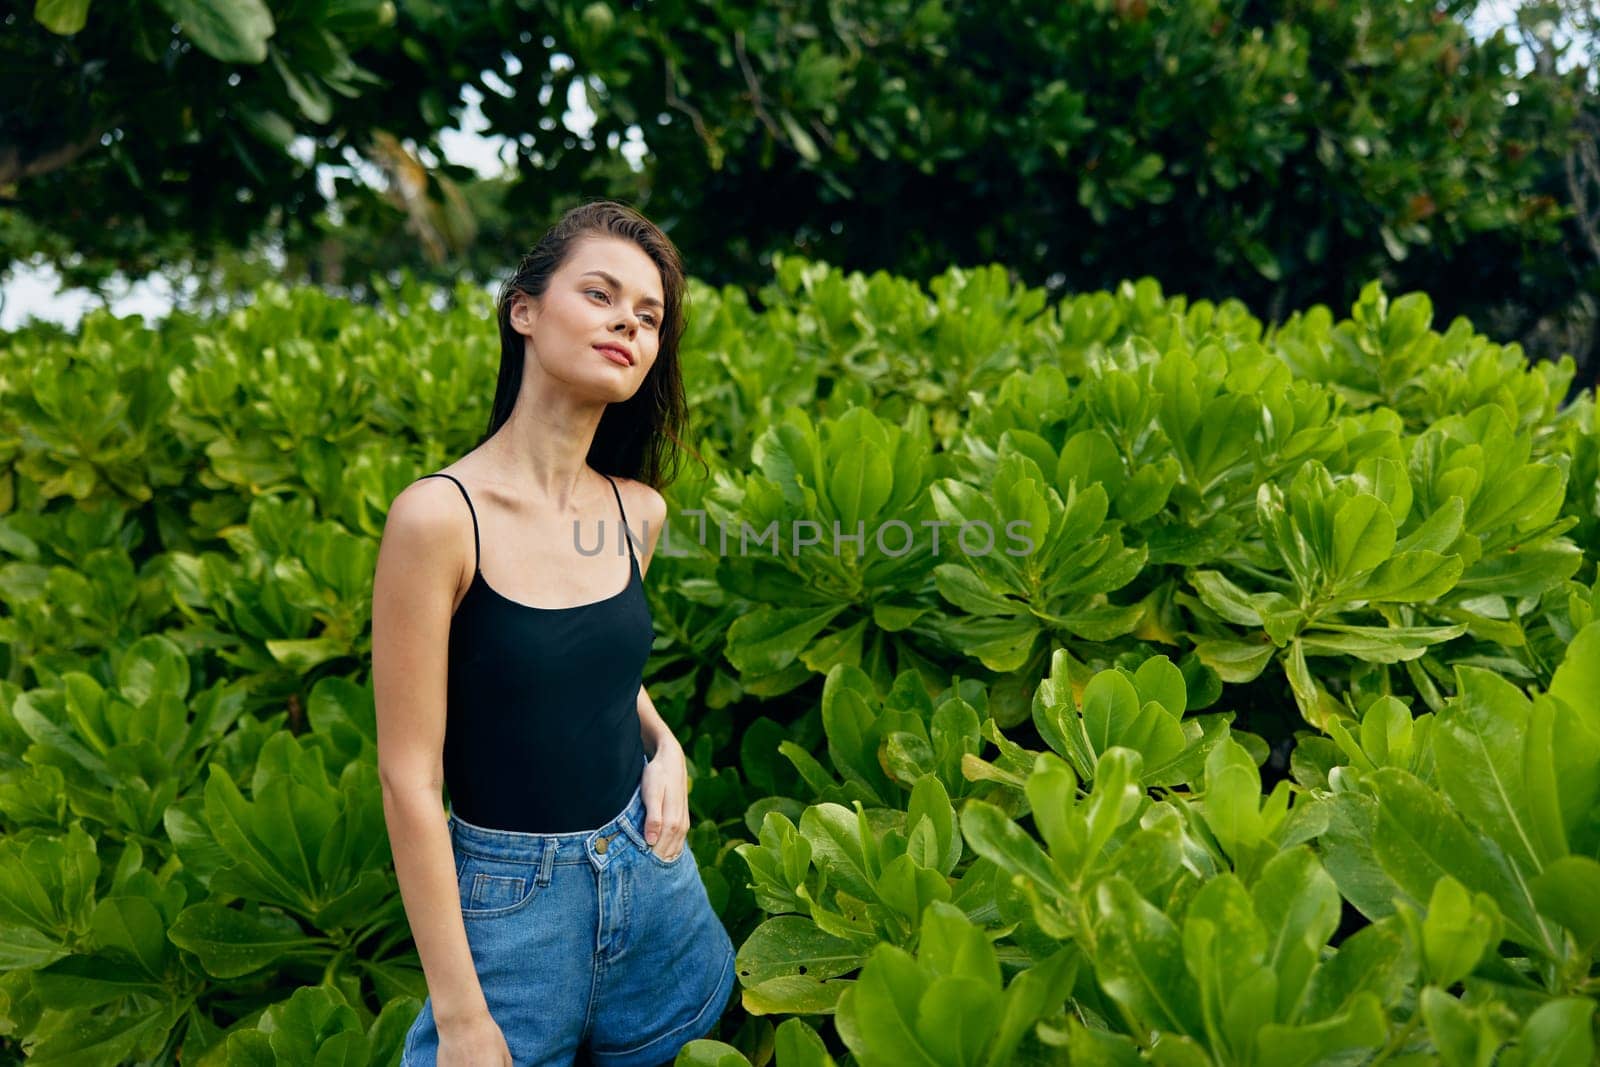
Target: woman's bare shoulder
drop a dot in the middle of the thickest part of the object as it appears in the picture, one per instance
(642, 500)
(647, 514)
(428, 507)
(427, 522)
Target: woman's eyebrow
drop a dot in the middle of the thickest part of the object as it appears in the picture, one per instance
(612, 281)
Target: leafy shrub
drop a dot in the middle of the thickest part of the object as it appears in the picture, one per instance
(1276, 744)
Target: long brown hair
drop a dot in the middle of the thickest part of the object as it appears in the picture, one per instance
(640, 437)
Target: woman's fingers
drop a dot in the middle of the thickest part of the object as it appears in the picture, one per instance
(666, 824)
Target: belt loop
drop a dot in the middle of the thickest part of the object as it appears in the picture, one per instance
(546, 862)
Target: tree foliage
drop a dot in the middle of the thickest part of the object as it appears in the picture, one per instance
(136, 135)
(1280, 152)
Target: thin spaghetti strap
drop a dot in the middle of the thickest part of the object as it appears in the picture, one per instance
(627, 535)
(476, 549)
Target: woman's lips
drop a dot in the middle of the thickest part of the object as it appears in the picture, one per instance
(613, 355)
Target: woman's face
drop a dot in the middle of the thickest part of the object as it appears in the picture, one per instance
(607, 293)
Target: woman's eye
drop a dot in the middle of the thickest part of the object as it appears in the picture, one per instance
(651, 319)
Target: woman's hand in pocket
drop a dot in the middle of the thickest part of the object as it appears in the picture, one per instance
(665, 790)
(476, 1041)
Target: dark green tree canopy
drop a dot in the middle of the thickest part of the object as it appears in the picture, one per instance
(135, 135)
(1281, 152)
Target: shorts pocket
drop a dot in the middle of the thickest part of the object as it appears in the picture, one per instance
(493, 887)
(675, 862)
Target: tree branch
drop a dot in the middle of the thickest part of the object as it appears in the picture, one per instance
(755, 88)
(678, 102)
(1583, 171)
(14, 168)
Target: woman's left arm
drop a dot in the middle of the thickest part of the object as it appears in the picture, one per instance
(653, 730)
(665, 785)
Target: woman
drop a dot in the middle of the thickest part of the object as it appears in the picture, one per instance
(556, 909)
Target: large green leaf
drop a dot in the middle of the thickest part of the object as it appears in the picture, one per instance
(1363, 537)
(1299, 906)
(933, 838)
(796, 994)
(769, 639)
(838, 847)
(316, 1025)
(878, 1016)
(46, 893)
(1233, 798)
(1478, 745)
(1036, 992)
(1224, 946)
(1461, 1036)
(1140, 961)
(65, 17)
(1577, 679)
(1420, 839)
(1410, 577)
(1378, 959)
(1559, 1034)
(851, 718)
(1361, 1025)
(996, 838)
(1112, 716)
(859, 485)
(234, 32)
(1566, 891)
(231, 943)
(1459, 928)
(79, 1037)
(797, 1044)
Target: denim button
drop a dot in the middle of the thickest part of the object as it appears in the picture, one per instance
(600, 845)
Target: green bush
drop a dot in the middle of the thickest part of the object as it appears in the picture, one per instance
(1277, 745)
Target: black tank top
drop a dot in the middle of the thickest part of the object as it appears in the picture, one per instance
(542, 723)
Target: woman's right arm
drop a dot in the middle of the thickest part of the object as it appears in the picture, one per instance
(420, 561)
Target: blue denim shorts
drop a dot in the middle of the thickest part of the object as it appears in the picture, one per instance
(589, 941)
